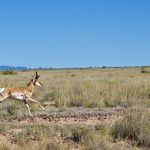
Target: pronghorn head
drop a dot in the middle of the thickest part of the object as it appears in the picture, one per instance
(34, 80)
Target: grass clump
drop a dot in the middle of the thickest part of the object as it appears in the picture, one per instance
(51, 96)
(93, 141)
(4, 128)
(135, 127)
(76, 95)
(143, 70)
(13, 108)
(34, 133)
(89, 138)
(49, 146)
(4, 147)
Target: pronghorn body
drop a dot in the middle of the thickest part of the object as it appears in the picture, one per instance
(16, 92)
(21, 93)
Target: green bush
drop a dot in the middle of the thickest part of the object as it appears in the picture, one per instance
(104, 67)
(9, 72)
(143, 70)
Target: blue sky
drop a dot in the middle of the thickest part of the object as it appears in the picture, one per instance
(74, 33)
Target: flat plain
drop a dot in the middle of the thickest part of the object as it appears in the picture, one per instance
(85, 109)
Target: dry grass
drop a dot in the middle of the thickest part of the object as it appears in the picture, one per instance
(135, 127)
(89, 87)
(106, 87)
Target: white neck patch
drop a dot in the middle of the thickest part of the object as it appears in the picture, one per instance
(38, 84)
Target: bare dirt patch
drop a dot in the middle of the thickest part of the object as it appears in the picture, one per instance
(75, 115)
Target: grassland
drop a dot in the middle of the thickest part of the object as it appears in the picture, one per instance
(78, 90)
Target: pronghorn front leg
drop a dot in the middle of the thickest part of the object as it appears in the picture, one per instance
(32, 100)
(29, 109)
(25, 101)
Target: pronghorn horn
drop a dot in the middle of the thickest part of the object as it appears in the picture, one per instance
(37, 76)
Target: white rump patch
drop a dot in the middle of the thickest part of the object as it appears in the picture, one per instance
(2, 90)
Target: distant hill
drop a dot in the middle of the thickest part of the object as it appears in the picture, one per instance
(12, 68)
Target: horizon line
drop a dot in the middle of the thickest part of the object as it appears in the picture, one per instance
(87, 67)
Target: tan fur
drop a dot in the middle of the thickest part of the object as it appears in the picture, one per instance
(22, 93)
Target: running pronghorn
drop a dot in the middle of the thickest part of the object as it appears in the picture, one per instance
(22, 93)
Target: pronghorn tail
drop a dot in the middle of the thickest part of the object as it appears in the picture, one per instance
(2, 90)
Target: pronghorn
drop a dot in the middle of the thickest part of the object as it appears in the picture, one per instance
(22, 93)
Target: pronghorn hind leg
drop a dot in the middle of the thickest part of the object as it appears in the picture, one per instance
(32, 100)
(3, 98)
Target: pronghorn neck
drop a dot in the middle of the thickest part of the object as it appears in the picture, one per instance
(31, 86)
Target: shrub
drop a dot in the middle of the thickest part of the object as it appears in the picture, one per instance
(104, 67)
(9, 72)
(143, 70)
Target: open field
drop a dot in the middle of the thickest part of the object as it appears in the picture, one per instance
(85, 109)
